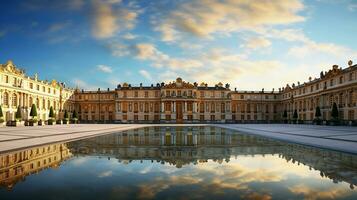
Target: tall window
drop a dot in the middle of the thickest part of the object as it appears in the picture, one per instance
(38, 103)
(6, 99)
(14, 100)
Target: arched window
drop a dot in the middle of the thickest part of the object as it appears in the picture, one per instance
(14, 100)
(48, 104)
(6, 99)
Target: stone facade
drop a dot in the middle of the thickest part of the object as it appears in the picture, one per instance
(180, 101)
(19, 90)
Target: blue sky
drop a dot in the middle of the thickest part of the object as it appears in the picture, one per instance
(249, 44)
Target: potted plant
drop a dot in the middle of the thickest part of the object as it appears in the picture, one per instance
(317, 119)
(18, 118)
(2, 121)
(66, 117)
(75, 117)
(33, 114)
(51, 116)
(295, 116)
(334, 115)
(40, 122)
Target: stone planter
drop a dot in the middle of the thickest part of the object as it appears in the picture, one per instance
(32, 123)
(2, 124)
(17, 123)
(50, 122)
(41, 123)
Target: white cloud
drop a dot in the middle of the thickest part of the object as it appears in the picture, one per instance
(205, 17)
(149, 52)
(104, 68)
(83, 84)
(107, 21)
(105, 174)
(257, 43)
(129, 36)
(145, 74)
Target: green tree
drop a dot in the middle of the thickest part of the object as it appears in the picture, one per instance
(51, 114)
(317, 112)
(18, 114)
(66, 115)
(1, 113)
(295, 116)
(33, 112)
(75, 115)
(285, 114)
(334, 112)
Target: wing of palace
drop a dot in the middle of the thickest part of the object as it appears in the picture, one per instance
(179, 101)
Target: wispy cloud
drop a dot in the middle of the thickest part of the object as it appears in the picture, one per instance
(203, 18)
(107, 20)
(105, 69)
(58, 26)
(352, 7)
(145, 74)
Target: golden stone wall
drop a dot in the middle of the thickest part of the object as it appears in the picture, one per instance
(180, 101)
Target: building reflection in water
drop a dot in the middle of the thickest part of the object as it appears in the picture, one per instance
(177, 146)
(15, 166)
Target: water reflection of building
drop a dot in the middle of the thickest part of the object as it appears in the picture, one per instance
(15, 166)
(191, 145)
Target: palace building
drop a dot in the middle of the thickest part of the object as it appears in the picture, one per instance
(180, 101)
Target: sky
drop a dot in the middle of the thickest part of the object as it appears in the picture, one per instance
(249, 44)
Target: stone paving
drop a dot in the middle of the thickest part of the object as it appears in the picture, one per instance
(339, 138)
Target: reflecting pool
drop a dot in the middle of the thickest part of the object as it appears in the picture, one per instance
(177, 163)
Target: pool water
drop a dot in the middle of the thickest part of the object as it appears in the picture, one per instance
(177, 163)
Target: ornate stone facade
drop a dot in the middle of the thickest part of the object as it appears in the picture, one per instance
(180, 101)
(19, 90)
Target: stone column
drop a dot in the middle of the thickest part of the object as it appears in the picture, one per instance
(162, 107)
(185, 108)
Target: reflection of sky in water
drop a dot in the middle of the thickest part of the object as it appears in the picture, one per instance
(243, 176)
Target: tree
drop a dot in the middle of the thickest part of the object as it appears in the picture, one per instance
(285, 114)
(295, 115)
(33, 112)
(1, 113)
(334, 112)
(51, 114)
(66, 116)
(317, 112)
(75, 115)
(18, 114)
